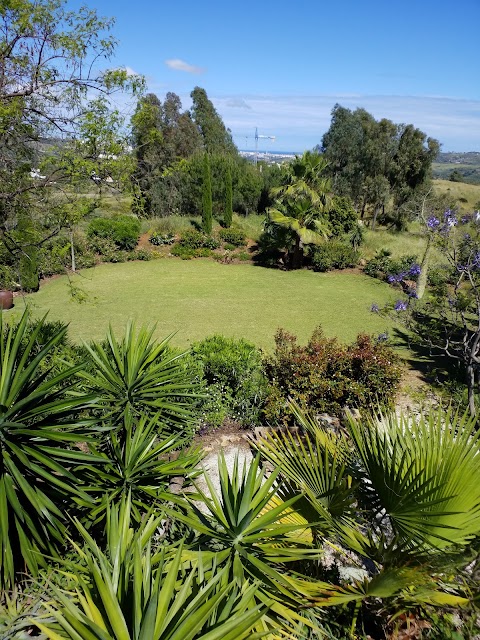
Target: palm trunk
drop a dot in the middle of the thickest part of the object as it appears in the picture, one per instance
(72, 251)
(297, 255)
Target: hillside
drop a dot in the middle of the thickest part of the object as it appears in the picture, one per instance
(468, 164)
(467, 196)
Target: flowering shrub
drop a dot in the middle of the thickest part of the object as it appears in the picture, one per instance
(393, 271)
(325, 375)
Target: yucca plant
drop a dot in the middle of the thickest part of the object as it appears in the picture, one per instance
(139, 462)
(136, 376)
(252, 533)
(131, 591)
(40, 416)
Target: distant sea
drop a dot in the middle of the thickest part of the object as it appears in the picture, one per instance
(273, 153)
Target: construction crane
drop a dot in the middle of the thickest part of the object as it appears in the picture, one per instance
(257, 137)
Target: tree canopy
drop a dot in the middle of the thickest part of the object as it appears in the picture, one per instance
(376, 162)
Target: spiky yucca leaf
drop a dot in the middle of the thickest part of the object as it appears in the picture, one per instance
(39, 418)
(128, 593)
(139, 462)
(137, 376)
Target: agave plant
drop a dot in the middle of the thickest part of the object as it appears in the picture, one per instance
(39, 418)
(138, 462)
(131, 592)
(136, 376)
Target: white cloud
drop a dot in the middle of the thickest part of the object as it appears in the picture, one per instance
(181, 65)
(237, 103)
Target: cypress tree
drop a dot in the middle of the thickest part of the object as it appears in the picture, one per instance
(228, 199)
(207, 214)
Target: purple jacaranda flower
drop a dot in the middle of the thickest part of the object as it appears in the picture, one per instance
(476, 260)
(382, 337)
(433, 222)
(375, 308)
(414, 270)
(412, 293)
(450, 218)
(391, 278)
(400, 305)
(465, 219)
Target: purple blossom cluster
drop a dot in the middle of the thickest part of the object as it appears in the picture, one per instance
(400, 305)
(375, 308)
(415, 270)
(450, 219)
(433, 223)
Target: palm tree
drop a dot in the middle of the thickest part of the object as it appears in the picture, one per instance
(300, 204)
(402, 495)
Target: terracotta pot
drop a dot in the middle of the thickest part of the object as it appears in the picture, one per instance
(6, 299)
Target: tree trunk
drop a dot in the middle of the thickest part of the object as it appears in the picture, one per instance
(374, 219)
(72, 251)
(422, 278)
(471, 389)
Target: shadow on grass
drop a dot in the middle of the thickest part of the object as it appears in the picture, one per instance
(431, 363)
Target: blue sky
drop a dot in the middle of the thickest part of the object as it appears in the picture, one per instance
(281, 66)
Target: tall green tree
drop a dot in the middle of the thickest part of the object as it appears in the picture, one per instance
(228, 198)
(377, 162)
(207, 212)
(216, 137)
(50, 72)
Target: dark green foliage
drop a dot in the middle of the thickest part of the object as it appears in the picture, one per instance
(382, 265)
(456, 176)
(233, 373)
(216, 137)
(39, 417)
(235, 237)
(192, 239)
(136, 376)
(373, 161)
(8, 277)
(28, 268)
(325, 375)
(124, 231)
(207, 208)
(342, 217)
(187, 253)
(228, 199)
(335, 254)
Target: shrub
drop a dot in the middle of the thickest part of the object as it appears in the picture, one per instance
(140, 254)
(341, 216)
(382, 266)
(333, 255)
(233, 374)
(235, 237)
(324, 375)
(161, 239)
(192, 239)
(124, 231)
(8, 278)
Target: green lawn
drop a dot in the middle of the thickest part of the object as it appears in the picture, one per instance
(200, 297)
